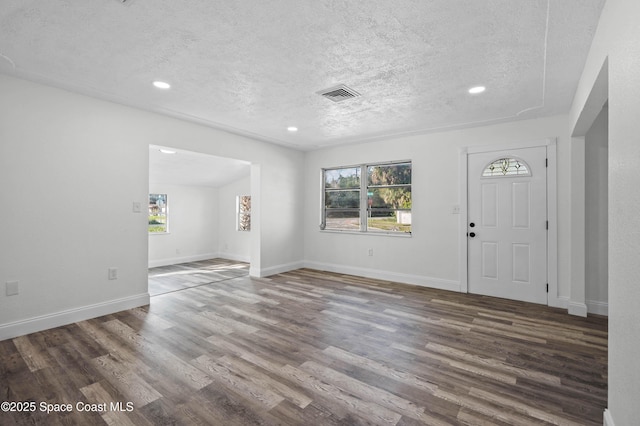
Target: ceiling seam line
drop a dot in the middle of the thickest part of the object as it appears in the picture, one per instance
(544, 64)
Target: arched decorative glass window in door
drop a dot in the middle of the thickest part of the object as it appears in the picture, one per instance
(506, 167)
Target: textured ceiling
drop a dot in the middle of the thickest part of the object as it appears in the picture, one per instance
(253, 67)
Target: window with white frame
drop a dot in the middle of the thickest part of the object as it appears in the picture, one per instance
(243, 213)
(506, 167)
(158, 213)
(367, 198)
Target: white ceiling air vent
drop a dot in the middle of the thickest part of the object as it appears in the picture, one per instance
(339, 93)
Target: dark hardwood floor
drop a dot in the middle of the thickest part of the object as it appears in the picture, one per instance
(314, 348)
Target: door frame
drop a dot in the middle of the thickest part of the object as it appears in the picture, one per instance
(552, 211)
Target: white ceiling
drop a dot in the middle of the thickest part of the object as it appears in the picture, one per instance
(253, 67)
(193, 169)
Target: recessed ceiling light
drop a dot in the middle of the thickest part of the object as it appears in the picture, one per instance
(477, 89)
(161, 84)
(292, 128)
(166, 151)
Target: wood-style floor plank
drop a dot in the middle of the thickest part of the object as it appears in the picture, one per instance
(216, 347)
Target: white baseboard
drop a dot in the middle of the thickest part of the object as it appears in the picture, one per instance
(57, 319)
(184, 259)
(608, 420)
(273, 270)
(598, 308)
(592, 306)
(418, 280)
(577, 308)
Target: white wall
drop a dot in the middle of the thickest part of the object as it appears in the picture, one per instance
(431, 256)
(68, 176)
(617, 43)
(71, 168)
(233, 244)
(596, 217)
(193, 225)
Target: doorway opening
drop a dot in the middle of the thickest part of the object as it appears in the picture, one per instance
(596, 217)
(199, 240)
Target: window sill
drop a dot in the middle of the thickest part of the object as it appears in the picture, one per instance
(372, 233)
(159, 233)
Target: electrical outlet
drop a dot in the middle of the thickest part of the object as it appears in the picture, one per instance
(113, 273)
(370, 252)
(137, 207)
(456, 210)
(13, 288)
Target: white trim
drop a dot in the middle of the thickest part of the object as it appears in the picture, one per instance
(462, 234)
(183, 259)
(374, 233)
(510, 146)
(597, 98)
(561, 302)
(57, 319)
(608, 418)
(552, 217)
(592, 306)
(577, 308)
(273, 270)
(577, 282)
(552, 211)
(598, 308)
(399, 277)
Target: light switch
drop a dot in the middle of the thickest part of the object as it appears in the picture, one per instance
(113, 273)
(137, 207)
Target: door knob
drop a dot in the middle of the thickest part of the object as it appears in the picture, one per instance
(471, 225)
(472, 234)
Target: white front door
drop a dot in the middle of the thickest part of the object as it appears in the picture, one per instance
(507, 224)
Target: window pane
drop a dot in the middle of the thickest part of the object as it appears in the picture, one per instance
(506, 167)
(157, 213)
(390, 198)
(342, 199)
(398, 221)
(244, 213)
(392, 174)
(343, 220)
(342, 178)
